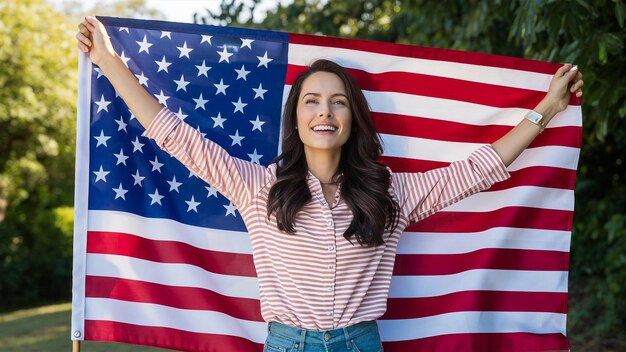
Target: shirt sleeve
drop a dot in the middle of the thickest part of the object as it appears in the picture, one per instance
(236, 179)
(423, 194)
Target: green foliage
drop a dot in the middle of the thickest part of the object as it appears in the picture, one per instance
(588, 33)
(37, 142)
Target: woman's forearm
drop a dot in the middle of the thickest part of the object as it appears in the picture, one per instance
(141, 103)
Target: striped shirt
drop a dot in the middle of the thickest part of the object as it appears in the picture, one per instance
(316, 279)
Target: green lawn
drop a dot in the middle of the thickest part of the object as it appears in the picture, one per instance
(47, 329)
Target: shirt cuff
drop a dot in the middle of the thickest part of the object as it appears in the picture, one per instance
(161, 126)
(490, 164)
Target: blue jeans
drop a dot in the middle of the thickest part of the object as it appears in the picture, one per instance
(361, 337)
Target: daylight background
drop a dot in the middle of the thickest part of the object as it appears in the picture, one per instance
(38, 69)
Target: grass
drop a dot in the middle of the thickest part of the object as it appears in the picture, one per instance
(47, 328)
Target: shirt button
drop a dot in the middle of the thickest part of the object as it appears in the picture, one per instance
(330, 224)
(331, 248)
(327, 336)
(330, 289)
(331, 267)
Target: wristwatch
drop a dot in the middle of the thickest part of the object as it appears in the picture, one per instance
(536, 118)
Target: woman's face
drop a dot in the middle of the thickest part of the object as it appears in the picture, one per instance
(324, 117)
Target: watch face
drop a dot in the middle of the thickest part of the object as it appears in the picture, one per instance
(534, 117)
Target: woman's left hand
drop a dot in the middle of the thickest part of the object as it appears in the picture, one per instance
(566, 81)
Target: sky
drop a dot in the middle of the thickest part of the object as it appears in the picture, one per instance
(182, 10)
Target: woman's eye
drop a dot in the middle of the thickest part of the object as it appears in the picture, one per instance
(310, 101)
(340, 102)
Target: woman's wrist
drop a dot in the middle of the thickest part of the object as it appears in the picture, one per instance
(547, 109)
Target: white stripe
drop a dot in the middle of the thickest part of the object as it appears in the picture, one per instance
(183, 275)
(478, 279)
(304, 55)
(522, 196)
(460, 111)
(81, 197)
(198, 321)
(502, 237)
(456, 111)
(444, 151)
(472, 322)
(170, 230)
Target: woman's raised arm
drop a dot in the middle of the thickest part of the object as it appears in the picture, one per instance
(94, 41)
(566, 80)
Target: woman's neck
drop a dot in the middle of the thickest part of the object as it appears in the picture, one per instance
(323, 164)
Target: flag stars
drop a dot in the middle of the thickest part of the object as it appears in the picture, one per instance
(239, 105)
(184, 50)
(144, 45)
(156, 165)
(166, 34)
(181, 84)
(206, 39)
(102, 104)
(137, 178)
(120, 192)
(121, 157)
(236, 138)
(101, 175)
(143, 80)
(200, 102)
(174, 185)
(102, 139)
(180, 114)
(203, 69)
(224, 55)
(230, 209)
(162, 98)
(121, 125)
(242, 73)
(124, 29)
(212, 192)
(192, 204)
(264, 60)
(221, 87)
(259, 92)
(137, 145)
(246, 43)
(98, 71)
(201, 133)
(163, 65)
(254, 157)
(155, 197)
(218, 120)
(124, 58)
(256, 124)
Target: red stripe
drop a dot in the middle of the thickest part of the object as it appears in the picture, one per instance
(170, 252)
(427, 53)
(540, 176)
(438, 87)
(510, 342)
(486, 258)
(520, 217)
(441, 130)
(476, 301)
(180, 340)
(172, 296)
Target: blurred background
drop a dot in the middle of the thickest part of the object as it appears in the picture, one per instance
(38, 70)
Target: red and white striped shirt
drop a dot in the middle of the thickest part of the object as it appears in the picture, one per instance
(316, 279)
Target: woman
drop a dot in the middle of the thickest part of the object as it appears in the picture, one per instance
(325, 218)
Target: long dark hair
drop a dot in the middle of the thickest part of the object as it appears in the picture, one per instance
(365, 182)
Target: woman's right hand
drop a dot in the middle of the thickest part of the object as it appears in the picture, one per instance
(94, 41)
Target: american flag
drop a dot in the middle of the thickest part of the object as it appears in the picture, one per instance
(162, 259)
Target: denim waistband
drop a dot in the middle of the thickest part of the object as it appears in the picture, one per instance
(323, 337)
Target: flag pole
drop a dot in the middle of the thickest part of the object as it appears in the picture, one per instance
(76, 346)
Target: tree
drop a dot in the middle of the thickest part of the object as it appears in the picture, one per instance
(590, 34)
(37, 142)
